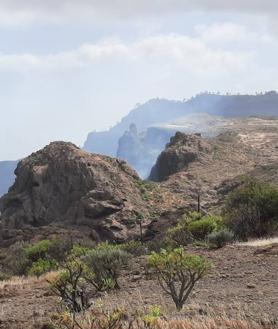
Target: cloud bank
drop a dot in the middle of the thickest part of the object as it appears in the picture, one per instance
(180, 50)
(17, 12)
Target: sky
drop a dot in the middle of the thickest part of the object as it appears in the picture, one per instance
(69, 67)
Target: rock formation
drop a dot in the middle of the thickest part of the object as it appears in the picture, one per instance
(141, 150)
(179, 153)
(63, 184)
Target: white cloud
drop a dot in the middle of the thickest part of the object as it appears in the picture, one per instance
(16, 12)
(233, 34)
(183, 51)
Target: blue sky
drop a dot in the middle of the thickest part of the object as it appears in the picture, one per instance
(68, 67)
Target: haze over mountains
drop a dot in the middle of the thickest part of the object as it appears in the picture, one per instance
(141, 135)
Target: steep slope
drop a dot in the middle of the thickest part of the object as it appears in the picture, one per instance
(7, 176)
(63, 184)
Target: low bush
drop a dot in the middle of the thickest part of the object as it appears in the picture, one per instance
(134, 247)
(36, 258)
(4, 276)
(193, 226)
(202, 227)
(177, 272)
(38, 250)
(219, 239)
(251, 210)
(106, 263)
(16, 261)
(42, 266)
(71, 286)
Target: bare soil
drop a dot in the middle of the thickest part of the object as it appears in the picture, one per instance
(243, 283)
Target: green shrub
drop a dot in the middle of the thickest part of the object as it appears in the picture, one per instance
(133, 247)
(71, 286)
(252, 210)
(56, 248)
(202, 227)
(16, 261)
(79, 250)
(158, 243)
(106, 263)
(22, 258)
(4, 276)
(59, 248)
(38, 250)
(180, 234)
(42, 266)
(150, 319)
(219, 239)
(177, 272)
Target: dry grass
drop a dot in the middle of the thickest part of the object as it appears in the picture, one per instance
(119, 320)
(103, 315)
(208, 323)
(21, 281)
(260, 242)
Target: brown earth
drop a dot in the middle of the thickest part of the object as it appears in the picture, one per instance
(242, 284)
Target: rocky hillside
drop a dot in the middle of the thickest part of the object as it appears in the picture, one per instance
(62, 184)
(191, 164)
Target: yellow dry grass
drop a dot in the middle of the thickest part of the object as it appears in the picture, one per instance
(21, 281)
(259, 242)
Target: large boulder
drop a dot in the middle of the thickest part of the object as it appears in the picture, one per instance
(63, 184)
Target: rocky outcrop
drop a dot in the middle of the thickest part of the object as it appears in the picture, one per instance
(179, 153)
(63, 184)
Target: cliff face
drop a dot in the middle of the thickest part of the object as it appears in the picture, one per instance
(141, 150)
(178, 154)
(143, 116)
(63, 184)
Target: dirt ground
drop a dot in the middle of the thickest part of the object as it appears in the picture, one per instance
(242, 283)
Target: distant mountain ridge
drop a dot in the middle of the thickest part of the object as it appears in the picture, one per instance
(153, 121)
(159, 111)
